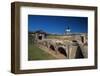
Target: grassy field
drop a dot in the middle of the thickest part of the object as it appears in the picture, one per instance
(54, 37)
(35, 53)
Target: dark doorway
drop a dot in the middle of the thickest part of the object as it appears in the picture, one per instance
(52, 47)
(62, 51)
(79, 53)
(82, 39)
(40, 37)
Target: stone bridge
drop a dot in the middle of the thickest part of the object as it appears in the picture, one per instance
(69, 49)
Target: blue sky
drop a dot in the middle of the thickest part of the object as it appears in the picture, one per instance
(57, 24)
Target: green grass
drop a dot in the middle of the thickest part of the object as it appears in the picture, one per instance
(35, 53)
(54, 36)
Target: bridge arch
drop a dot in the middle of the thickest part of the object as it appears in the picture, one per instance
(79, 53)
(62, 51)
(52, 47)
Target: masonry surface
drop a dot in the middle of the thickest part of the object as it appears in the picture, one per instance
(66, 46)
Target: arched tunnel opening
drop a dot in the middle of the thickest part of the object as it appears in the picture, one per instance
(40, 37)
(52, 47)
(62, 51)
(79, 53)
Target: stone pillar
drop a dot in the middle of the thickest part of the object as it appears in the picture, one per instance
(67, 50)
(72, 51)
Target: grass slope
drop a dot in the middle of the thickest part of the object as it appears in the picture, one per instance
(35, 53)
